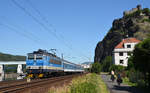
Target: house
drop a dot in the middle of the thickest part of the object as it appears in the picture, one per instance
(123, 51)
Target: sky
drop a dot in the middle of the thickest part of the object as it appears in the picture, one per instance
(72, 27)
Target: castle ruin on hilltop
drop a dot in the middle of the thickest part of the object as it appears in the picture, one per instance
(139, 7)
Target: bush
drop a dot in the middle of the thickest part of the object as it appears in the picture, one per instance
(96, 68)
(106, 63)
(117, 68)
(134, 76)
(85, 87)
(91, 83)
(141, 83)
(130, 63)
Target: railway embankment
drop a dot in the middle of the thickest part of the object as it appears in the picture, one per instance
(89, 83)
(36, 85)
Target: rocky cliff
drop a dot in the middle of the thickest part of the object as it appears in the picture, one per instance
(132, 24)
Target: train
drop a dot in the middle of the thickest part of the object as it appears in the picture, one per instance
(40, 64)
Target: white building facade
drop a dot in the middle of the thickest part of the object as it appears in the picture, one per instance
(123, 51)
(86, 65)
(19, 69)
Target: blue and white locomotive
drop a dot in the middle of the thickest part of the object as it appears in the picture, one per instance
(43, 64)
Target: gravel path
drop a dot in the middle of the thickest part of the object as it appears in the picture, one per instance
(114, 88)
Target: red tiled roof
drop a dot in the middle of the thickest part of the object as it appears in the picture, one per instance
(127, 40)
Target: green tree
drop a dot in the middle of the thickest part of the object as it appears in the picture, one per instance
(8, 57)
(117, 68)
(96, 68)
(141, 58)
(106, 63)
(130, 63)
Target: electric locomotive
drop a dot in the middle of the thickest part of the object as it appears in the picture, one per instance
(43, 64)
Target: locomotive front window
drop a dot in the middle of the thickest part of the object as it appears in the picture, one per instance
(35, 56)
(39, 56)
(30, 56)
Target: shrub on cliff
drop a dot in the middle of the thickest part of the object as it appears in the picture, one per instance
(146, 11)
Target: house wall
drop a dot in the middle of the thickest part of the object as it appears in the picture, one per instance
(125, 50)
(132, 46)
(117, 59)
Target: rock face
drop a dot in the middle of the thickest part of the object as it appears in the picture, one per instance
(135, 24)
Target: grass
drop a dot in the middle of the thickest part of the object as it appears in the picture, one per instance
(90, 83)
(64, 89)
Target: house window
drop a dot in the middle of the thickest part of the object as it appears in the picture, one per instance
(120, 53)
(128, 46)
(121, 61)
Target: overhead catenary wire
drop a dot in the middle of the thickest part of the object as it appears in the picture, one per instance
(24, 31)
(41, 23)
(19, 33)
(37, 21)
(58, 35)
(29, 34)
(50, 25)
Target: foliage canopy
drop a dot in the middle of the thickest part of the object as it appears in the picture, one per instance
(141, 58)
(96, 68)
(107, 62)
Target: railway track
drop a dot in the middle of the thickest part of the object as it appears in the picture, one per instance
(11, 82)
(18, 87)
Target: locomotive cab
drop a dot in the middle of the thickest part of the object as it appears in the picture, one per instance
(34, 63)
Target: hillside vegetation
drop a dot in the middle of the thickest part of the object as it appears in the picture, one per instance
(9, 57)
(134, 24)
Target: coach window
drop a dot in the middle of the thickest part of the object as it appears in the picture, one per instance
(65, 65)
